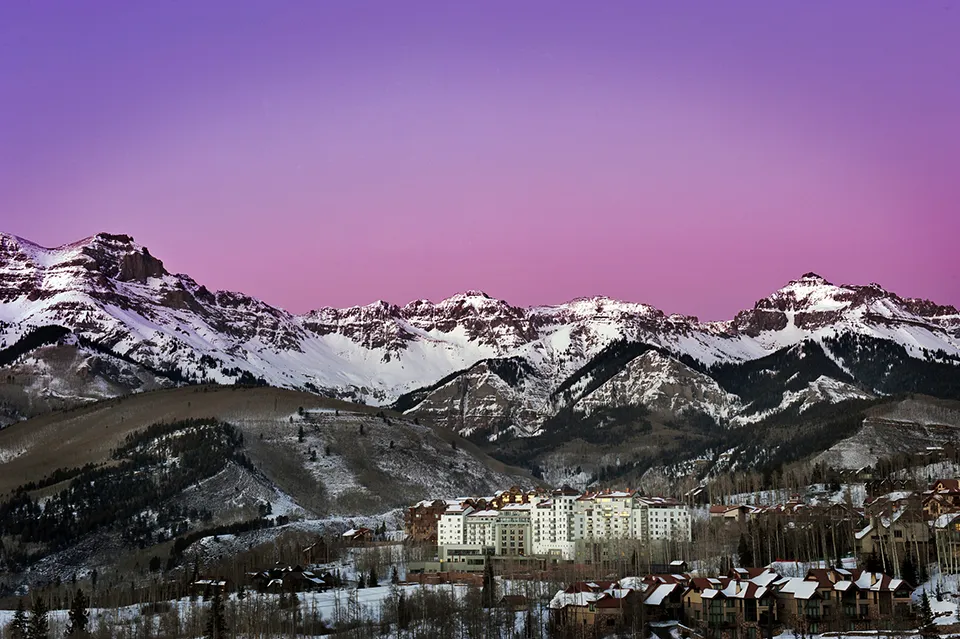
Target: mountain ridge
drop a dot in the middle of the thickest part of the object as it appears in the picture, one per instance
(115, 295)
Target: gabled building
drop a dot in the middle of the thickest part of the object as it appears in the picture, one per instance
(737, 609)
(597, 609)
(290, 579)
(946, 534)
(421, 520)
(841, 600)
(356, 536)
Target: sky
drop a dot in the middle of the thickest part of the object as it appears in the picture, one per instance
(691, 155)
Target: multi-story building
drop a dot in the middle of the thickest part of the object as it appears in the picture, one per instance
(512, 530)
(604, 516)
(552, 524)
(450, 529)
(480, 529)
(661, 519)
(420, 521)
(562, 524)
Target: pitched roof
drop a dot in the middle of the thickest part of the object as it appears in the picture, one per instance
(799, 588)
(660, 593)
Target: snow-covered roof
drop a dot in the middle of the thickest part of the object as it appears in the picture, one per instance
(660, 593)
(457, 509)
(765, 578)
(945, 520)
(860, 534)
(799, 588)
(480, 514)
(563, 599)
(634, 583)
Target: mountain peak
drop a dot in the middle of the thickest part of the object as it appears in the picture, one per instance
(470, 293)
(812, 278)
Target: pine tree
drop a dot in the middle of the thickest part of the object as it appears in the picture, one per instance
(744, 552)
(394, 576)
(300, 434)
(39, 627)
(78, 615)
(360, 583)
(403, 613)
(18, 628)
(908, 570)
(926, 612)
(216, 622)
(372, 579)
(488, 594)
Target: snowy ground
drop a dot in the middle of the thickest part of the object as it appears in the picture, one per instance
(814, 494)
(323, 604)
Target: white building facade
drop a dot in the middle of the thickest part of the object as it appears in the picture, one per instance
(559, 523)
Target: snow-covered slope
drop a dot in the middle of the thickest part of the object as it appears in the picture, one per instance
(665, 385)
(823, 390)
(111, 291)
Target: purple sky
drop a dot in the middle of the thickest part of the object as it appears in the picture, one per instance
(691, 155)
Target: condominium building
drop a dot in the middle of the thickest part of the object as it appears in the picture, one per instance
(558, 523)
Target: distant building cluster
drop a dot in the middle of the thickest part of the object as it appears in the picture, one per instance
(917, 526)
(747, 603)
(563, 523)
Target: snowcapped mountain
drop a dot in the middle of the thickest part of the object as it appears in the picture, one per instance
(665, 385)
(470, 361)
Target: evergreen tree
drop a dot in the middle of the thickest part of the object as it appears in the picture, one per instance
(372, 579)
(488, 595)
(39, 627)
(394, 576)
(745, 552)
(216, 621)
(360, 583)
(926, 612)
(300, 434)
(241, 593)
(908, 570)
(18, 628)
(78, 615)
(873, 563)
(403, 612)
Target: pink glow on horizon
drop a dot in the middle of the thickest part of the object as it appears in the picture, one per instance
(327, 156)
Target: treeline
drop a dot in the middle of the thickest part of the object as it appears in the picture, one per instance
(600, 368)
(762, 382)
(151, 467)
(32, 340)
(887, 367)
(57, 476)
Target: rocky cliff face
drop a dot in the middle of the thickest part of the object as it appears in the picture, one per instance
(114, 293)
(663, 385)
